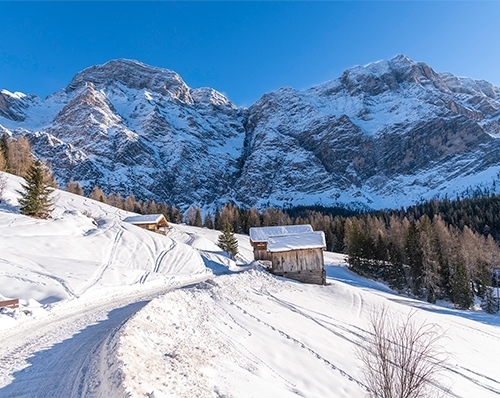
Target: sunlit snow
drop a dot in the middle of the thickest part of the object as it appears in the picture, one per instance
(236, 331)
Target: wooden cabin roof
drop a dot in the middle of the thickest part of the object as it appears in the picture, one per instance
(147, 219)
(311, 240)
(262, 234)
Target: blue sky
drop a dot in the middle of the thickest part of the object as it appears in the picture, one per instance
(243, 49)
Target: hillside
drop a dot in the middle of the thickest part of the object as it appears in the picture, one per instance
(386, 134)
(235, 331)
(84, 249)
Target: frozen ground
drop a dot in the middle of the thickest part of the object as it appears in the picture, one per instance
(108, 319)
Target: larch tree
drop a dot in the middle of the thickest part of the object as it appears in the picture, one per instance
(74, 187)
(3, 161)
(98, 194)
(4, 153)
(19, 158)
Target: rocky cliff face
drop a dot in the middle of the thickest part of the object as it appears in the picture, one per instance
(386, 134)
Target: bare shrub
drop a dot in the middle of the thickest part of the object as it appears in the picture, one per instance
(402, 359)
(3, 184)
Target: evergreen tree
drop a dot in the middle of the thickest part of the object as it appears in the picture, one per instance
(490, 304)
(35, 198)
(461, 292)
(175, 215)
(197, 218)
(227, 241)
(4, 153)
(414, 258)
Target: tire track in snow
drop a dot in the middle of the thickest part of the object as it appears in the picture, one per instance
(295, 309)
(359, 336)
(471, 379)
(256, 359)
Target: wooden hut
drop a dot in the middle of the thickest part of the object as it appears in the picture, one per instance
(259, 237)
(293, 251)
(151, 222)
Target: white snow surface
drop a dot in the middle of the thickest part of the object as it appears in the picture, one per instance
(102, 315)
(84, 247)
(250, 334)
(262, 234)
(144, 219)
(311, 240)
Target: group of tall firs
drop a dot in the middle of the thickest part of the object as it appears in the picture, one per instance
(437, 250)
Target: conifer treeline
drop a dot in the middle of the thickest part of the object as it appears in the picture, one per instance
(426, 258)
(440, 249)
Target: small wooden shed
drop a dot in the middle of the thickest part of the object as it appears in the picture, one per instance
(259, 237)
(293, 251)
(151, 222)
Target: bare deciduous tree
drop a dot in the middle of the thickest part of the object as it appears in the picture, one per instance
(402, 359)
(19, 156)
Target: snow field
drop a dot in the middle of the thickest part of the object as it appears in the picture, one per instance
(236, 331)
(84, 251)
(250, 334)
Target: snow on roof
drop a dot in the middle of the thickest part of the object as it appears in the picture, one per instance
(145, 219)
(262, 234)
(311, 240)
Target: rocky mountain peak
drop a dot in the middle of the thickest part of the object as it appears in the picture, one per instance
(384, 134)
(133, 75)
(12, 105)
(389, 75)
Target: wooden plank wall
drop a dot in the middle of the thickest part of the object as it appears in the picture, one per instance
(10, 303)
(305, 265)
(317, 277)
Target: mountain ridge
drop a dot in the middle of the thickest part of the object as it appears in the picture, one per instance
(381, 135)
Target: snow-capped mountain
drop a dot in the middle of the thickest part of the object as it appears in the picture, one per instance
(382, 135)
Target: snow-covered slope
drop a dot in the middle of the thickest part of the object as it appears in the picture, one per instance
(386, 134)
(84, 248)
(240, 333)
(254, 335)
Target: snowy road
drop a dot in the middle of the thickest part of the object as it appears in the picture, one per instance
(70, 352)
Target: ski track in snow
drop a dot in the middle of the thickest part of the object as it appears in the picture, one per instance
(109, 260)
(302, 345)
(60, 281)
